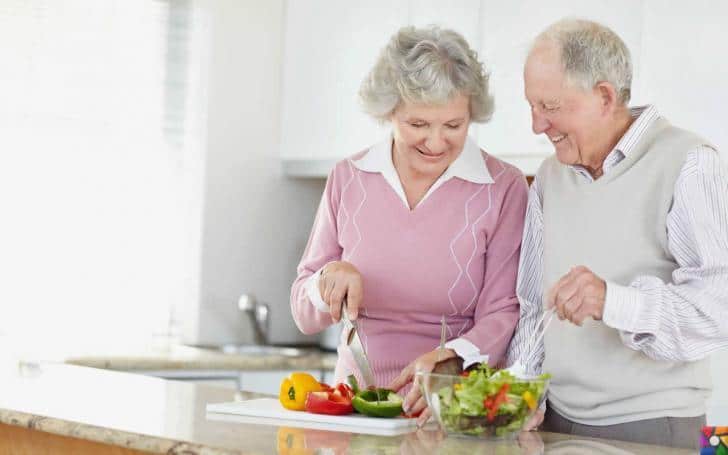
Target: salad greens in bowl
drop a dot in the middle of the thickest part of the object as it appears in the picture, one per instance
(483, 402)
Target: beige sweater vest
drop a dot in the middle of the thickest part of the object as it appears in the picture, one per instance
(616, 226)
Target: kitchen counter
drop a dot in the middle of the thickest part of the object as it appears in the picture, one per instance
(179, 357)
(67, 406)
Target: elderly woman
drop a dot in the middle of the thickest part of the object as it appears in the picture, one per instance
(420, 226)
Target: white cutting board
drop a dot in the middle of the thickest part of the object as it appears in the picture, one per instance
(270, 411)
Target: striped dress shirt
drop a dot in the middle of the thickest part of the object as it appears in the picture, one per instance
(682, 320)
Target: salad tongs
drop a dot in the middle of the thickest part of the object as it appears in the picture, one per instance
(518, 368)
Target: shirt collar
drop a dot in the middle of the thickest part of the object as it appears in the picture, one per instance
(643, 117)
(469, 165)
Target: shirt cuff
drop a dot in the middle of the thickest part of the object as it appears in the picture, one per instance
(313, 293)
(466, 351)
(621, 305)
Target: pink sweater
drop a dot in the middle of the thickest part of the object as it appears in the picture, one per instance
(456, 254)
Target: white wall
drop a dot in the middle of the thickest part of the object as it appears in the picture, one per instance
(255, 221)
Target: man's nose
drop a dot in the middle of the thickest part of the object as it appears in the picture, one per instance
(538, 123)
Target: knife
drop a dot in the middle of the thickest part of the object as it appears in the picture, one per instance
(356, 348)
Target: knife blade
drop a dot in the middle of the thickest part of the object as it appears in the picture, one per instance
(357, 349)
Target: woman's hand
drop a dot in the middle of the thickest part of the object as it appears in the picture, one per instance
(338, 281)
(414, 403)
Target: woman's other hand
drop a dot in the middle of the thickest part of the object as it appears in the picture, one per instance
(414, 403)
(338, 281)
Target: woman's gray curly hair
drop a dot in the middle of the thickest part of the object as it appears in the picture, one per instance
(428, 65)
(590, 53)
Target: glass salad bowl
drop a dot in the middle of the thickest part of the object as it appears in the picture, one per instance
(484, 402)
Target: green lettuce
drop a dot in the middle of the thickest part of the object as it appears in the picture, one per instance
(462, 406)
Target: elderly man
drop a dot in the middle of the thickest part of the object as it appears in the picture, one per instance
(627, 232)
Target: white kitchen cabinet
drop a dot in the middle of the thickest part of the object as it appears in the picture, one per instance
(330, 46)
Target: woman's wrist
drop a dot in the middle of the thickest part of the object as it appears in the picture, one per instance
(448, 353)
(449, 363)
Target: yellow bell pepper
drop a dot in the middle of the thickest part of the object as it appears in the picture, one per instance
(294, 389)
(530, 400)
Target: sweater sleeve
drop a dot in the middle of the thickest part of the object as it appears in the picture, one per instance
(497, 311)
(323, 247)
(683, 319)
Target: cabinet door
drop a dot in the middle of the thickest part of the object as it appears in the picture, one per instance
(329, 47)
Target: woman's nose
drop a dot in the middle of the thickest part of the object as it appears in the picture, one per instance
(436, 141)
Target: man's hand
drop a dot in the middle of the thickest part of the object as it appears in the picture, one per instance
(414, 403)
(338, 281)
(578, 295)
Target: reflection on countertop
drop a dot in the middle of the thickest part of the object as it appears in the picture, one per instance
(161, 416)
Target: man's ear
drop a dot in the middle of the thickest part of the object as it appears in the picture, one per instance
(608, 96)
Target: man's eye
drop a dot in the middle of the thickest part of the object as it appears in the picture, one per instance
(418, 125)
(453, 126)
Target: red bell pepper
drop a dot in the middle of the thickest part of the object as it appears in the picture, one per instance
(332, 400)
(493, 402)
(344, 390)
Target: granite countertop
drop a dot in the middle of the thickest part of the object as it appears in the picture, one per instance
(180, 357)
(161, 416)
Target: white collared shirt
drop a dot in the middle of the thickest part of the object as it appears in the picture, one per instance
(467, 166)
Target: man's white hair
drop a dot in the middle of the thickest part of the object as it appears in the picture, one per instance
(428, 65)
(590, 53)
